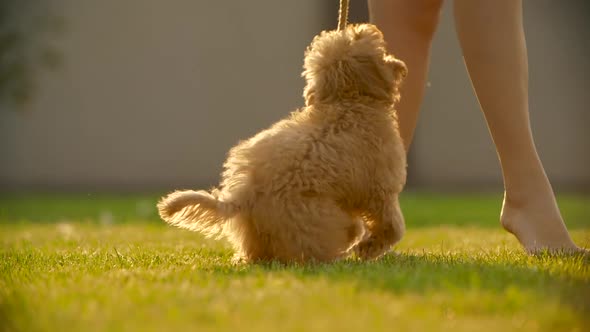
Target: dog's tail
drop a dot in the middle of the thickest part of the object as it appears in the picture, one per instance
(196, 210)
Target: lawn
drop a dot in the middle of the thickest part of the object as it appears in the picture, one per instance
(105, 263)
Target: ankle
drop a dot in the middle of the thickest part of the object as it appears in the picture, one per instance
(542, 200)
(528, 190)
(525, 177)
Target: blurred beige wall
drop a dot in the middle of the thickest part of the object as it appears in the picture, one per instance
(152, 94)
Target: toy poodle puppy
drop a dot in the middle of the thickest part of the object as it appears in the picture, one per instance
(325, 181)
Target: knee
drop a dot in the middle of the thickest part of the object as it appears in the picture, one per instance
(404, 21)
(422, 17)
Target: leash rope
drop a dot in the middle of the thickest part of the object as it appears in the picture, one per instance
(343, 15)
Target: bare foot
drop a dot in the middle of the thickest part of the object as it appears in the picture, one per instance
(537, 224)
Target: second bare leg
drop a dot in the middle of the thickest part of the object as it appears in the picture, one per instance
(492, 38)
(408, 28)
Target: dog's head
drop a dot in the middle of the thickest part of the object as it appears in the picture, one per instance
(350, 64)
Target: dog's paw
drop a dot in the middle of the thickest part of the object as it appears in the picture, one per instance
(370, 248)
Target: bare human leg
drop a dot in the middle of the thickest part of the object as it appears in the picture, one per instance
(493, 42)
(408, 28)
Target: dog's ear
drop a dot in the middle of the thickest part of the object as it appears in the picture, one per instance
(370, 34)
(399, 67)
(322, 59)
(400, 71)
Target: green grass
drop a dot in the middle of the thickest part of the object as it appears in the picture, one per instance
(105, 263)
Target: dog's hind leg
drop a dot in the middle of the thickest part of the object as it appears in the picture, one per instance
(307, 229)
(327, 234)
(385, 222)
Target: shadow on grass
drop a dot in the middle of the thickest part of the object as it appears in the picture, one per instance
(426, 273)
